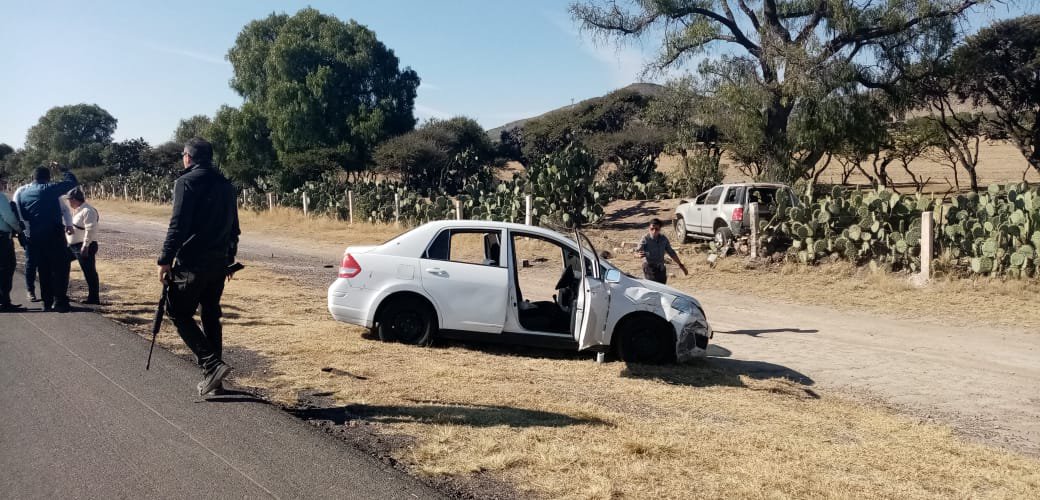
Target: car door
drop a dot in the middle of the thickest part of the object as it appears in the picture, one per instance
(692, 215)
(708, 210)
(464, 273)
(593, 299)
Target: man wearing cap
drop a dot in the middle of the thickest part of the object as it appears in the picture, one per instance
(9, 229)
(201, 242)
(40, 206)
(83, 241)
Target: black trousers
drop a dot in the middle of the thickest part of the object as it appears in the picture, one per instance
(7, 265)
(52, 261)
(30, 267)
(89, 267)
(655, 272)
(198, 290)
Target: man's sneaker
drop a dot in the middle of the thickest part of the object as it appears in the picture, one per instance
(219, 390)
(31, 296)
(213, 380)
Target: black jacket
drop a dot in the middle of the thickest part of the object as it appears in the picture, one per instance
(203, 233)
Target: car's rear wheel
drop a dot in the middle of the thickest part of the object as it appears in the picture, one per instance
(723, 237)
(406, 320)
(679, 227)
(645, 339)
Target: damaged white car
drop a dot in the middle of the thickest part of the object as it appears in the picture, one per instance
(513, 283)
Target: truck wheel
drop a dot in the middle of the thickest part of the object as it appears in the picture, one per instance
(679, 226)
(723, 238)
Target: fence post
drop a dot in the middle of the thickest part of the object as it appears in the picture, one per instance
(927, 239)
(458, 209)
(527, 210)
(126, 195)
(397, 209)
(306, 200)
(350, 206)
(753, 218)
(270, 202)
(140, 192)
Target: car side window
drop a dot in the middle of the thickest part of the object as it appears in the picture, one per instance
(713, 196)
(467, 246)
(735, 196)
(700, 199)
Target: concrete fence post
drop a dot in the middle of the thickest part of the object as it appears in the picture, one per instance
(141, 193)
(753, 220)
(458, 209)
(270, 202)
(927, 239)
(527, 210)
(126, 193)
(306, 202)
(350, 206)
(397, 209)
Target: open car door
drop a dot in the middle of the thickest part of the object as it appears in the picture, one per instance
(593, 299)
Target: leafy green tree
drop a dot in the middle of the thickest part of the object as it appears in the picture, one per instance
(1000, 66)
(75, 135)
(329, 91)
(789, 56)
(196, 126)
(164, 160)
(6, 169)
(242, 147)
(684, 114)
(439, 155)
(606, 117)
(126, 156)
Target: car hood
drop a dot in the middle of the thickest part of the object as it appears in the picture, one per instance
(661, 288)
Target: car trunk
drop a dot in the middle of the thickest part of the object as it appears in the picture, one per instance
(765, 196)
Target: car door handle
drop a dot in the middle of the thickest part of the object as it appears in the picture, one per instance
(437, 271)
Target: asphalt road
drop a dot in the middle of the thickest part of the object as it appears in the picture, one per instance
(81, 418)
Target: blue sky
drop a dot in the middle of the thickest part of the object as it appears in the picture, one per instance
(152, 63)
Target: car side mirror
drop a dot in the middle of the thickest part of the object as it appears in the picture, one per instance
(612, 276)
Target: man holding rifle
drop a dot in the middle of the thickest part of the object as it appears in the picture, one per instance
(201, 243)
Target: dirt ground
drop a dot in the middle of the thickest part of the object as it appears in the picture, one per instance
(977, 376)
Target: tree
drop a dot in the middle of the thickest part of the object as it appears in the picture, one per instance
(196, 126)
(164, 160)
(441, 154)
(790, 56)
(6, 169)
(126, 156)
(328, 91)
(242, 147)
(605, 116)
(1000, 66)
(75, 135)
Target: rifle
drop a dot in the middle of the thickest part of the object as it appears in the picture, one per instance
(160, 311)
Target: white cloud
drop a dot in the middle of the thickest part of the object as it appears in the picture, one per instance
(198, 56)
(624, 62)
(424, 112)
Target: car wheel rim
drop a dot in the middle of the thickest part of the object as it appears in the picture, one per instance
(408, 327)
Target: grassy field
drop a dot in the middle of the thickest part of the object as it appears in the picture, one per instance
(565, 427)
(571, 428)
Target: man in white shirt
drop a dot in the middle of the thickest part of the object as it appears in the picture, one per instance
(83, 241)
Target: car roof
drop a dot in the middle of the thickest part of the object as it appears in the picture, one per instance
(754, 184)
(490, 224)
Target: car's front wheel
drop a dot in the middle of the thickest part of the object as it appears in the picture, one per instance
(406, 320)
(645, 339)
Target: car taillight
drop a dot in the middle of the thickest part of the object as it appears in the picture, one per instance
(349, 268)
(738, 214)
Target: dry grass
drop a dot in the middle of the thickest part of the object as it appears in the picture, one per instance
(570, 428)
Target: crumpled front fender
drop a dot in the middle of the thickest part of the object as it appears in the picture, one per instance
(692, 330)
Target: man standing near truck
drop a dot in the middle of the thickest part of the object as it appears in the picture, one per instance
(652, 249)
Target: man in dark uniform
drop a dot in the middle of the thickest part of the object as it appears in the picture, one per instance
(652, 248)
(38, 202)
(201, 242)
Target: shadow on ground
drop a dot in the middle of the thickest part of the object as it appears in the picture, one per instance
(642, 211)
(717, 371)
(444, 413)
(755, 333)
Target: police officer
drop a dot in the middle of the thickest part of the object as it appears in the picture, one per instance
(201, 242)
(40, 205)
(9, 229)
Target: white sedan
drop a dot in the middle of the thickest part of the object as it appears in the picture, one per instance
(514, 283)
